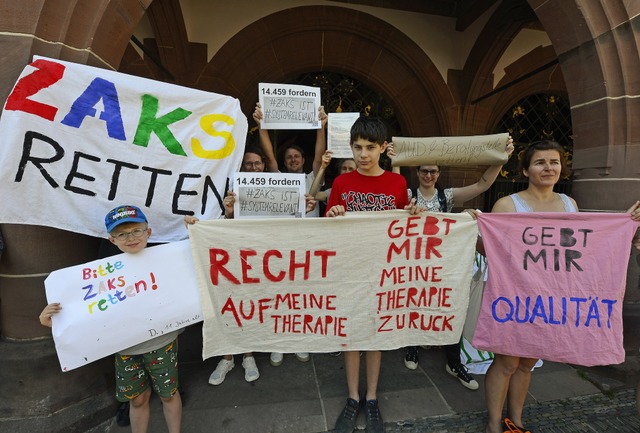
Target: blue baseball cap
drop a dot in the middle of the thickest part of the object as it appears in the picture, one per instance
(123, 214)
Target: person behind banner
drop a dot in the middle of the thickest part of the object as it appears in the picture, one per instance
(345, 165)
(152, 364)
(254, 161)
(350, 192)
(508, 377)
(431, 196)
(293, 155)
(294, 159)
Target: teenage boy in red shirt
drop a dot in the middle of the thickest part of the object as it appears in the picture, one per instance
(368, 188)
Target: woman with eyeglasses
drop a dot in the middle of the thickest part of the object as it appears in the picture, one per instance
(430, 196)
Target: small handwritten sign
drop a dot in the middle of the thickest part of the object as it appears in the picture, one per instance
(273, 195)
(289, 106)
(339, 134)
(451, 151)
(114, 303)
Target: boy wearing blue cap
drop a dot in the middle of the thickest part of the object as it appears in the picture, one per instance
(153, 363)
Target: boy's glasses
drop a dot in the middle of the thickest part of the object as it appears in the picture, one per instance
(136, 233)
(425, 172)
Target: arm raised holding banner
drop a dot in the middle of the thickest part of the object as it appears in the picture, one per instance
(296, 165)
(265, 141)
(321, 141)
(466, 193)
(315, 186)
(294, 157)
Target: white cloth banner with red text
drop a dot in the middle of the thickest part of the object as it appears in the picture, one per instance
(368, 280)
(556, 286)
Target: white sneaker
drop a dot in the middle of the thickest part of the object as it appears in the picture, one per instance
(276, 359)
(303, 356)
(251, 372)
(218, 375)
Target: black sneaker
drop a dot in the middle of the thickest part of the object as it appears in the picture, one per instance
(122, 415)
(346, 422)
(461, 372)
(411, 357)
(374, 418)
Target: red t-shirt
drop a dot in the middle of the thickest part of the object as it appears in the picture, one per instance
(357, 192)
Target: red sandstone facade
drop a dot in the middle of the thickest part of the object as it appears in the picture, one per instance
(595, 44)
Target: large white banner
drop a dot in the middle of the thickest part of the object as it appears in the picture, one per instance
(368, 280)
(78, 141)
(114, 303)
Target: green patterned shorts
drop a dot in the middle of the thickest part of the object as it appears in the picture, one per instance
(158, 368)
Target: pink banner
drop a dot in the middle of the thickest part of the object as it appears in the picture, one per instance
(556, 286)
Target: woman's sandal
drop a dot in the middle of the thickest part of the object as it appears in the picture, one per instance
(514, 428)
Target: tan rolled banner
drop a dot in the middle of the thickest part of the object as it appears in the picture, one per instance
(451, 151)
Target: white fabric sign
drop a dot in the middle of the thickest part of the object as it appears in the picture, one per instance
(79, 141)
(289, 106)
(368, 280)
(264, 195)
(114, 303)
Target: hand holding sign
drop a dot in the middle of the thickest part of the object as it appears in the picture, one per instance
(287, 106)
(261, 195)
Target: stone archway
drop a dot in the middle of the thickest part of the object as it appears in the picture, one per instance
(287, 43)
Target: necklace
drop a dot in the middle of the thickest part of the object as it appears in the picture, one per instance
(428, 203)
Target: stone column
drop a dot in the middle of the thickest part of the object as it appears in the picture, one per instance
(36, 394)
(596, 43)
